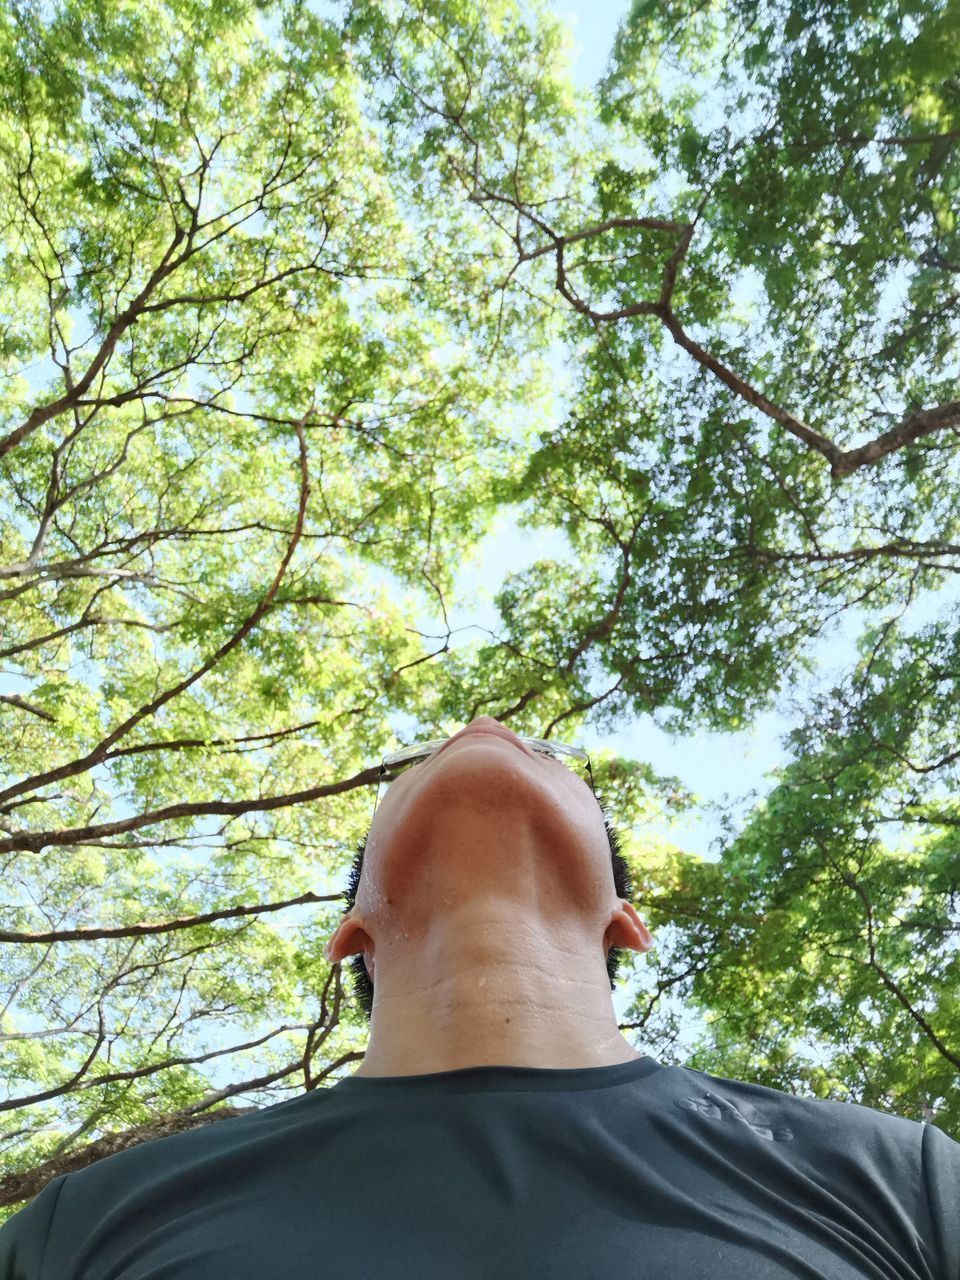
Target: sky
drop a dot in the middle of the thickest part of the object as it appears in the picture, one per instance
(716, 767)
(594, 25)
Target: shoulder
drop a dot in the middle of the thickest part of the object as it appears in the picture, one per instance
(127, 1161)
(24, 1235)
(779, 1115)
(49, 1229)
(901, 1176)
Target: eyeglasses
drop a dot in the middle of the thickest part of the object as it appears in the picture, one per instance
(397, 761)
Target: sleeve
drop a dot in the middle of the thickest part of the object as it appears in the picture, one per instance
(941, 1174)
(23, 1237)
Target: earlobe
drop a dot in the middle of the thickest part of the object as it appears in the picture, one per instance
(348, 939)
(331, 945)
(628, 930)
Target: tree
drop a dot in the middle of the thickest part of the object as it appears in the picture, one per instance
(279, 292)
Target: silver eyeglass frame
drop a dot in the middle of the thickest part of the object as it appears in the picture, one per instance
(426, 749)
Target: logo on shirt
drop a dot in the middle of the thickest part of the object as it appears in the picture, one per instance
(716, 1108)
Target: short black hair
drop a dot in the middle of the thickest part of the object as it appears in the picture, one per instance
(622, 879)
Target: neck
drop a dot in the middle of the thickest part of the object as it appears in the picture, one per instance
(492, 996)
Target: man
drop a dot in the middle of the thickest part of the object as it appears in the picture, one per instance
(500, 1125)
(487, 896)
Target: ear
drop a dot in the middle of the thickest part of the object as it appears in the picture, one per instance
(349, 939)
(626, 929)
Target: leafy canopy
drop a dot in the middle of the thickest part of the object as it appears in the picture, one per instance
(287, 292)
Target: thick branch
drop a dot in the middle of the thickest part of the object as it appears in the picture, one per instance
(15, 700)
(163, 926)
(37, 840)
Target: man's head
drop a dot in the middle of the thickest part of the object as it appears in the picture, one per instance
(486, 845)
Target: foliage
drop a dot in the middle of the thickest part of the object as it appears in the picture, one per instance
(284, 290)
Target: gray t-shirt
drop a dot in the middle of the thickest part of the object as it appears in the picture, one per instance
(502, 1173)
